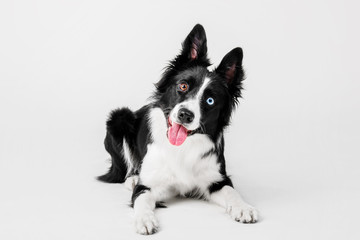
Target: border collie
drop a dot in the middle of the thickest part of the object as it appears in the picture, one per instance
(174, 146)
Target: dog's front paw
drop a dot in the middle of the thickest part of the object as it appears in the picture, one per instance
(243, 213)
(146, 223)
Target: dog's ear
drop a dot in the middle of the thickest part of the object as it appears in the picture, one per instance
(193, 53)
(194, 50)
(230, 69)
(194, 45)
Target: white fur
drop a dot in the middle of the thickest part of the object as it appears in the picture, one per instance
(172, 170)
(145, 220)
(131, 182)
(194, 105)
(127, 155)
(235, 206)
(176, 170)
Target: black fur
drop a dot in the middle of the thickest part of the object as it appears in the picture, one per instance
(119, 125)
(118, 169)
(123, 123)
(189, 67)
(219, 185)
(138, 190)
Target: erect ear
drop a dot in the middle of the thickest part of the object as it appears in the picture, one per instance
(193, 53)
(231, 70)
(194, 46)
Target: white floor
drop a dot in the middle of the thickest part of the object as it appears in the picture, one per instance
(292, 150)
(54, 196)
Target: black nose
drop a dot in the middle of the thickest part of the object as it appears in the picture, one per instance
(185, 115)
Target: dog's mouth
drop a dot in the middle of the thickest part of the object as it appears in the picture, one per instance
(177, 133)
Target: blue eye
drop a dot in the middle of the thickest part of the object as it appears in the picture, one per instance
(210, 101)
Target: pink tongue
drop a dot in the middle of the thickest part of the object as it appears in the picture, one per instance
(177, 134)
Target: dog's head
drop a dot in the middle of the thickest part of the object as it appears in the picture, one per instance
(194, 99)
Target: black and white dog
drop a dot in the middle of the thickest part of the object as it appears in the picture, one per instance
(174, 146)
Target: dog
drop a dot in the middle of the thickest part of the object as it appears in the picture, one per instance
(174, 146)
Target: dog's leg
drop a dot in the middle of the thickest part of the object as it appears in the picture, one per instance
(144, 202)
(145, 220)
(120, 129)
(235, 206)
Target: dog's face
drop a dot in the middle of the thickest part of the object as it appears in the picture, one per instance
(195, 100)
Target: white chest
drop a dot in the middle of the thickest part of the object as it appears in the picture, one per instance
(179, 168)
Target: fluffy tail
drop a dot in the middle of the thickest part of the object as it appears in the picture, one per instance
(120, 126)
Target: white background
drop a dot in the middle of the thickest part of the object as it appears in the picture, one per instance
(292, 150)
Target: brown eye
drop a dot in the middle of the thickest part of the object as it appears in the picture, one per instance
(183, 87)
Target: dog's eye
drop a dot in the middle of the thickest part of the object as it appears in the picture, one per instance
(183, 87)
(210, 101)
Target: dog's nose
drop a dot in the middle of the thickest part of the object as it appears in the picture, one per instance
(185, 115)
